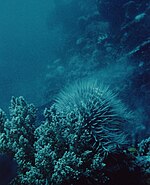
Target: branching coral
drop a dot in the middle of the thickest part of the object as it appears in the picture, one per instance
(86, 122)
(17, 135)
(64, 150)
(143, 158)
(70, 145)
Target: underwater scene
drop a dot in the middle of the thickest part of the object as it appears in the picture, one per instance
(75, 92)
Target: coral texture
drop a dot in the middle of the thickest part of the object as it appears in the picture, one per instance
(17, 135)
(143, 158)
(69, 146)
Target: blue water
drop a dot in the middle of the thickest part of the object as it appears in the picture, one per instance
(26, 46)
(48, 45)
(45, 45)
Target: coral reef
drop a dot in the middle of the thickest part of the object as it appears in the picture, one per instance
(17, 135)
(83, 136)
(63, 149)
(68, 148)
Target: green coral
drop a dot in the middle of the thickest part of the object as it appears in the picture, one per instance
(17, 135)
(143, 157)
(64, 149)
(85, 124)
